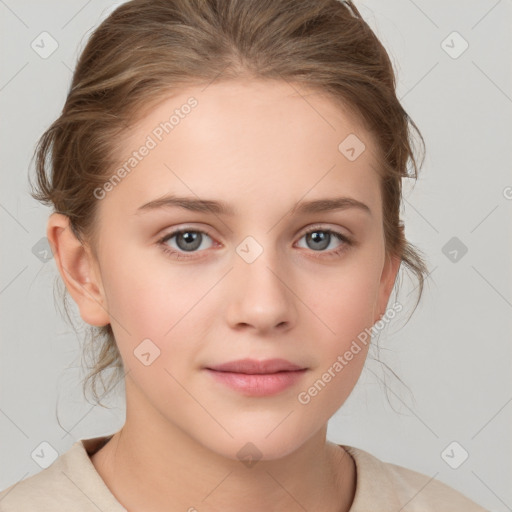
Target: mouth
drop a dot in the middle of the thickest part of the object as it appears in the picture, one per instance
(255, 367)
(257, 378)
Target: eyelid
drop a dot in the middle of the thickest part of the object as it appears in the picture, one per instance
(185, 227)
(324, 227)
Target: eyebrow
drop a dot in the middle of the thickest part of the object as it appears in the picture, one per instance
(222, 208)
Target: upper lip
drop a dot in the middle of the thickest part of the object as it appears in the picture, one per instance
(253, 366)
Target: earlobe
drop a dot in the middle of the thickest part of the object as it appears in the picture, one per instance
(77, 267)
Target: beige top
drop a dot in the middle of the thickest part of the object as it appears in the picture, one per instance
(72, 483)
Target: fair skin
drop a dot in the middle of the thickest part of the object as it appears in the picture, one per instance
(261, 148)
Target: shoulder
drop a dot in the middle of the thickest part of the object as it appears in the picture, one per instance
(383, 486)
(46, 490)
(69, 483)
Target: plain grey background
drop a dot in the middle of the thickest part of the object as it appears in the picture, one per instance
(455, 352)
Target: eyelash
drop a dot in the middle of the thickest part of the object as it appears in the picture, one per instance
(347, 242)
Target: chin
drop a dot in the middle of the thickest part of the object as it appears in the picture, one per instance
(253, 444)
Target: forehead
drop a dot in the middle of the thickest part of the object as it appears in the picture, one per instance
(246, 141)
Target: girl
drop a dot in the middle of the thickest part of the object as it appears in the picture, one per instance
(266, 135)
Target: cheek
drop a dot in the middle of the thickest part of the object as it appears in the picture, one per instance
(152, 317)
(147, 299)
(347, 299)
(342, 337)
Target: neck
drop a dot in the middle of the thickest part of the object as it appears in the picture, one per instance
(161, 468)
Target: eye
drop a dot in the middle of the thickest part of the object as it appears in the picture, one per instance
(319, 239)
(187, 240)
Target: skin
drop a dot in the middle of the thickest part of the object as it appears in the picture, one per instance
(262, 147)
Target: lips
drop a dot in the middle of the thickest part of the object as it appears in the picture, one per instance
(255, 367)
(257, 378)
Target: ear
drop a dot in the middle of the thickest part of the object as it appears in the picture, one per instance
(387, 281)
(78, 269)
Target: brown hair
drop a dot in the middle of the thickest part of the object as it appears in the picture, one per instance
(147, 48)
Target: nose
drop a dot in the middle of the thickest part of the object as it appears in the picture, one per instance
(260, 294)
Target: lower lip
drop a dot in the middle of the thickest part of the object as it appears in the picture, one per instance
(258, 384)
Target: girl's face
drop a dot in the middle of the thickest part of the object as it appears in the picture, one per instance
(245, 280)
